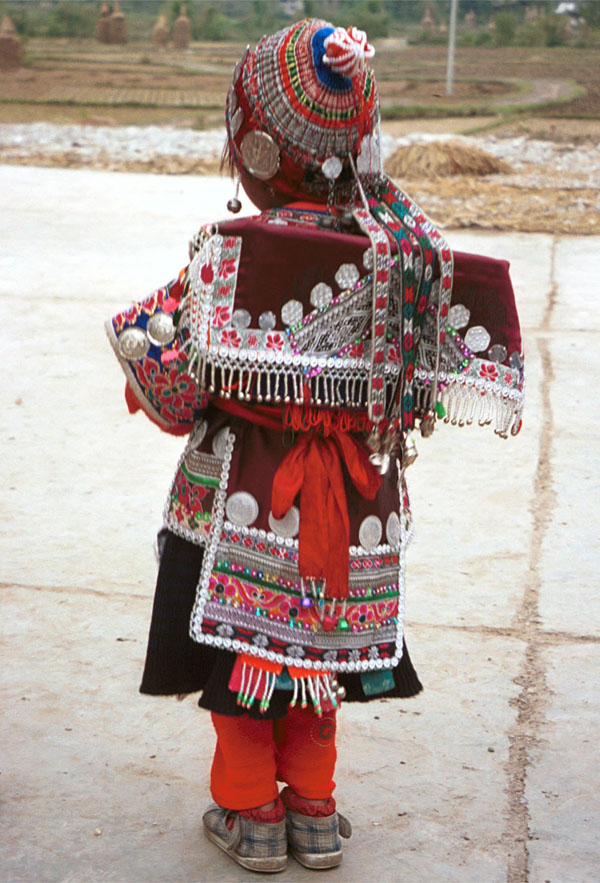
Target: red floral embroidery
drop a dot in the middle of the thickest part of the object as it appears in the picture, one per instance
(488, 372)
(176, 390)
(252, 340)
(230, 337)
(222, 316)
(227, 268)
(508, 377)
(274, 341)
(357, 351)
(394, 354)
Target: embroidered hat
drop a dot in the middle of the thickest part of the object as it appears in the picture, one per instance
(300, 104)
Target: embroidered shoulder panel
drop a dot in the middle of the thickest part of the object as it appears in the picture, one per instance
(143, 337)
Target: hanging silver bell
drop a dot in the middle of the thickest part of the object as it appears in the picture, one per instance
(234, 205)
(341, 692)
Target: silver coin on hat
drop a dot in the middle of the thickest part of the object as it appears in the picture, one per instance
(260, 155)
(332, 168)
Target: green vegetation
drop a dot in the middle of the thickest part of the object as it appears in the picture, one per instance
(248, 20)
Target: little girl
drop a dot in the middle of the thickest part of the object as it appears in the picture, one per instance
(298, 350)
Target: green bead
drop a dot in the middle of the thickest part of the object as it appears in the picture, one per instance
(343, 625)
(440, 410)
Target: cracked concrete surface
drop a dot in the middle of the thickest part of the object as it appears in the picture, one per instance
(490, 775)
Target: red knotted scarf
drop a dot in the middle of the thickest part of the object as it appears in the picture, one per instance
(313, 468)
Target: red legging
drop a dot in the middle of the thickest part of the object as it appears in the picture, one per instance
(252, 754)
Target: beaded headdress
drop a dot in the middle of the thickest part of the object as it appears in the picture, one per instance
(302, 103)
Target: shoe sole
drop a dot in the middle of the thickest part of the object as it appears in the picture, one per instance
(316, 861)
(264, 865)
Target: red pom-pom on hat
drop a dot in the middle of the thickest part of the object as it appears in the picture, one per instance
(346, 51)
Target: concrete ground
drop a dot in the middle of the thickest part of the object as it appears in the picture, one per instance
(491, 774)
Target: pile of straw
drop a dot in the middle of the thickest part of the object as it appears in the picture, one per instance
(441, 159)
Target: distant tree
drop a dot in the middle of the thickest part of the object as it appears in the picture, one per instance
(371, 16)
(505, 27)
(71, 19)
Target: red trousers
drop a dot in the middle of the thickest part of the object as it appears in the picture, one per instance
(251, 755)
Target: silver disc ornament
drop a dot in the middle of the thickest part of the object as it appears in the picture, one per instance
(160, 329)
(287, 526)
(369, 532)
(260, 155)
(347, 276)
(133, 343)
(458, 316)
(241, 509)
(477, 338)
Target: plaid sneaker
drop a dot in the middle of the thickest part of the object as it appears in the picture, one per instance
(314, 840)
(258, 846)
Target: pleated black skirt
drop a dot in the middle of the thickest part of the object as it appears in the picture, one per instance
(177, 664)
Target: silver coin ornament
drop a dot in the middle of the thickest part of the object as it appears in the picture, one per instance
(369, 157)
(347, 276)
(477, 338)
(198, 433)
(516, 361)
(497, 353)
(321, 296)
(392, 529)
(219, 442)
(133, 343)
(458, 316)
(260, 155)
(369, 532)
(367, 259)
(241, 509)
(241, 319)
(292, 312)
(332, 168)
(236, 121)
(267, 321)
(287, 526)
(233, 102)
(160, 329)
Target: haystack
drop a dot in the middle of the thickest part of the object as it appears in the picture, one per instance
(11, 47)
(118, 25)
(160, 33)
(439, 159)
(103, 25)
(182, 30)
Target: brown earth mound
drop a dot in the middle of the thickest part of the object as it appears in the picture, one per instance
(441, 159)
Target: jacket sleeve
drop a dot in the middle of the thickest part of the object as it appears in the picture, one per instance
(147, 344)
